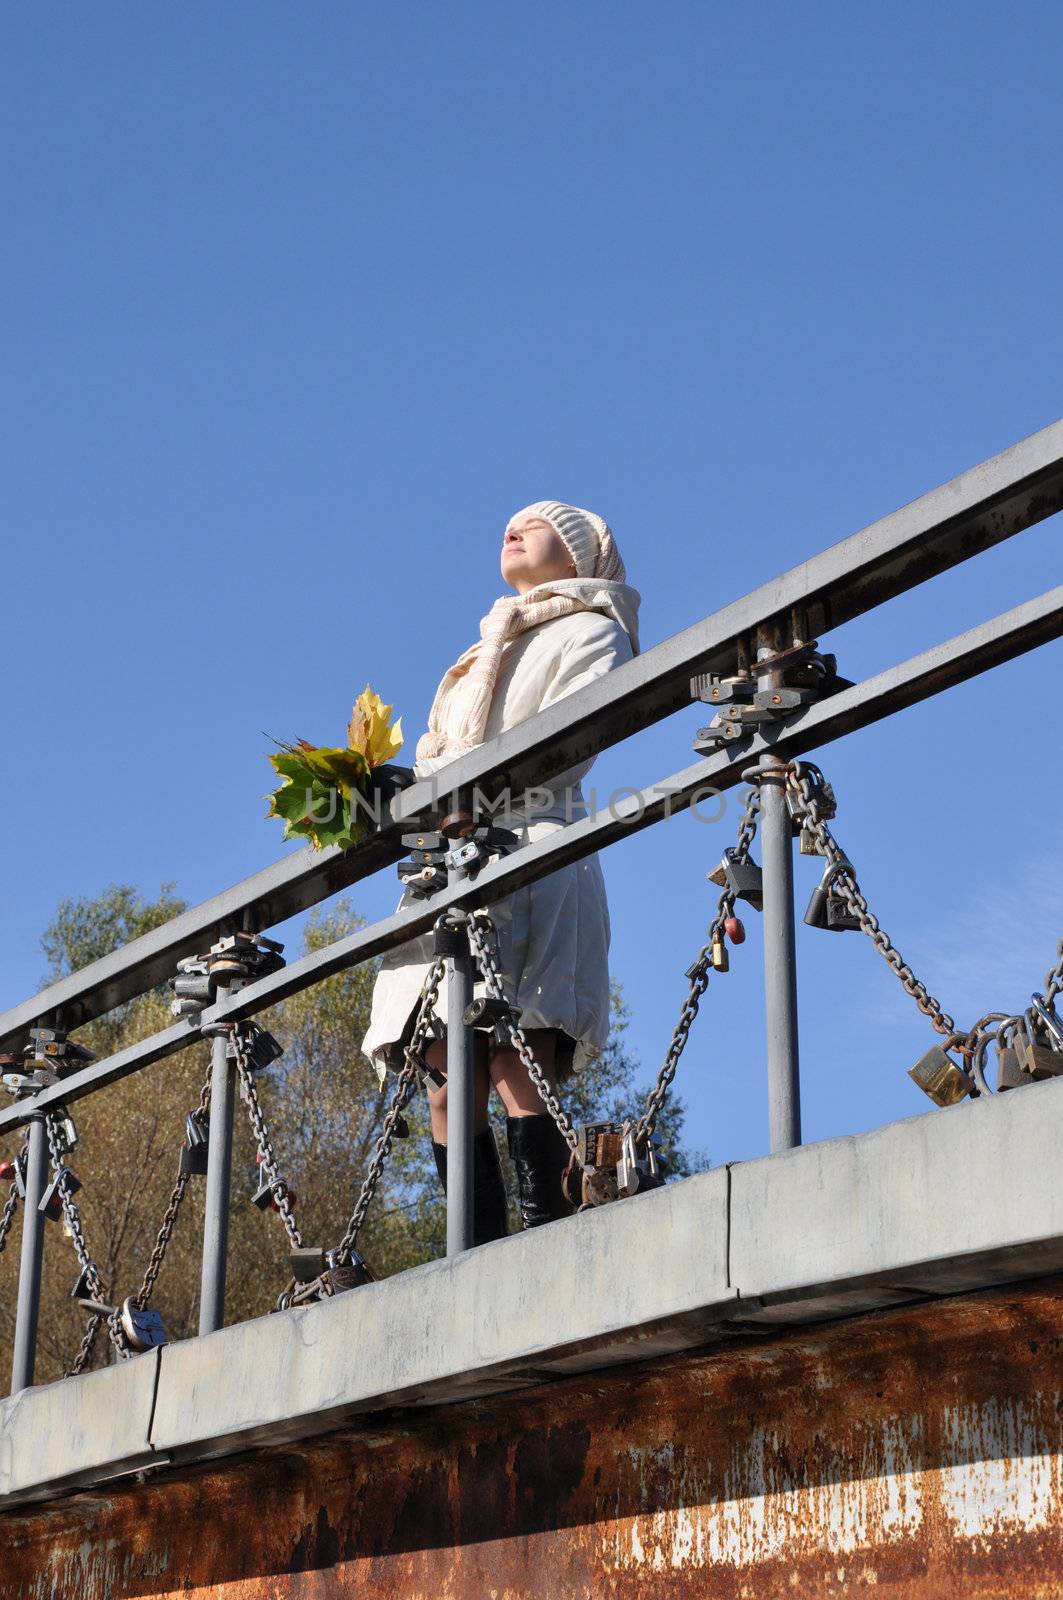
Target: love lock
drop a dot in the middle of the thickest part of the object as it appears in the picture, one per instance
(307, 1262)
(741, 876)
(635, 1172)
(590, 1177)
(195, 1151)
(1036, 1061)
(940, 1077)
(1044, 1015)
(826, 909)
(489, 1012)
(81, 1293)
(260, 1050)
(143, 1328)
(349, 1274)
(1009, 1073)
(51, 1201)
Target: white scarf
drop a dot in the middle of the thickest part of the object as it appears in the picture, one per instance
(462, 702)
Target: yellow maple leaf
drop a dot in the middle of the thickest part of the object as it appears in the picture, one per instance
(371, 731)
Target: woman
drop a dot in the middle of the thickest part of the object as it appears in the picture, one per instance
(571, 619)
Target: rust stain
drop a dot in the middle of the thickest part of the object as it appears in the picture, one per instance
(910, 1454)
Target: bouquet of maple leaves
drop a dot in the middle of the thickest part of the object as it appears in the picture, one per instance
(315, 798)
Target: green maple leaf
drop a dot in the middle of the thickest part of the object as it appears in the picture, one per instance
(314, 801)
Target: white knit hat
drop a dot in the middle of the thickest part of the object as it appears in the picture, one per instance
(586, 536)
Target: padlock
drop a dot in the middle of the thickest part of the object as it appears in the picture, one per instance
(712, 688)
(636, 1173)
(839, 918)
(734, 928)
(307, 1263)
(83, 1295)
(195, 1150)
(400, 1128)
(349, 1274)
(51, 1201)
(194, 1160)
(817, 910)
(720, 732)
(430, 1076)
(29, 1082)
(721, 961)
(598, 1144)
(424, 841)
(422, 881)
(1036, 1061)
(1051, 1024)
(822, 795)
(627, 1168)
(781, 700)
(1009, 1074)
(939, 1077)
(599, 1188)
(465, 858)
(262, 1050)
(809, 845)
(265, 1198)
(66, 1133)
(143, 1328)
(7, 1171)
(742, 876)
(491, 1012)
(572, 1182)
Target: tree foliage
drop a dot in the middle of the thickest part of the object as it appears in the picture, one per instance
(324, 1109)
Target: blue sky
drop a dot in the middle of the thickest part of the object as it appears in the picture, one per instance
(302, 303)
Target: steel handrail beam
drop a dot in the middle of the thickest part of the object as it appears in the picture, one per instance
(991, 502)
(1002, 638)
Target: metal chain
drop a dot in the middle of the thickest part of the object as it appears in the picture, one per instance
(404, 1088)
(806, 801)
(85, 1348)
(1054, 978)
(483, 940)
(698, 974)
(243, 1036)
(93, 1281)
(7, 1216)
(173, 1207)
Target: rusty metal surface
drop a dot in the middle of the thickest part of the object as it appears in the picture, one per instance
(913, 1453)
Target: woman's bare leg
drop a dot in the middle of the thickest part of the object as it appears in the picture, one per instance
(436, 1056)
(510, 1077)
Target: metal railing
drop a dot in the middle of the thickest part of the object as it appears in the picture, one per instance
(756, 638)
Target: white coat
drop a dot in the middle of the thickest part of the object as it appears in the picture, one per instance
(553, 934)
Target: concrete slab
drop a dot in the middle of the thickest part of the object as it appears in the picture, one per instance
(958, 1199)
(79, 1430)
(592, 1290)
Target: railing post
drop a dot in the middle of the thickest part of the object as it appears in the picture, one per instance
(780, 952)
(29, 1279)
(460, 1096)
(219, 1176)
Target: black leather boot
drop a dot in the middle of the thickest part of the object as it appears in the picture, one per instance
(540, 1156)
(489, 1210)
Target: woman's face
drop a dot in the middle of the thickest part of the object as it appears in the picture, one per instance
(533, 553)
